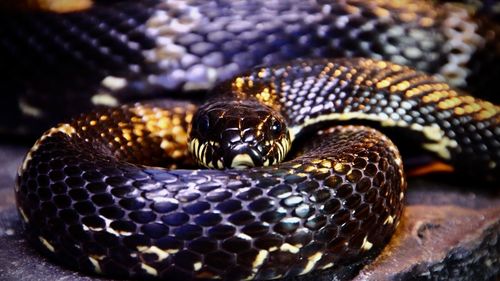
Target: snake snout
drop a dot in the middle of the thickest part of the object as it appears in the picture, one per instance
(243, 156)
(238, 134)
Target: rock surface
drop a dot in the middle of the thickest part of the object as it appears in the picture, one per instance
(446, 233)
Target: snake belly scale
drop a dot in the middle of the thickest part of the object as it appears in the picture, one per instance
(90, 199)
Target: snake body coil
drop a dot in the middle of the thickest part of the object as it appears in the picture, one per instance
(90, 196)
(55, 65)
(91, 193)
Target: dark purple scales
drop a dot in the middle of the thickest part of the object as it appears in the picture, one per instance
(311, 213)
(191, 223)
(88, 192)
(57, 65)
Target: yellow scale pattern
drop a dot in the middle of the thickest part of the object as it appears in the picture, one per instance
(154, 136)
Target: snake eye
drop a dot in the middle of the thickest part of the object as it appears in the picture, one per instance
(276, 127)
(204, 124)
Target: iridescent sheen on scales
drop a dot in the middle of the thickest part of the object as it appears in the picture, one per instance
(57, 65)
(90, 198)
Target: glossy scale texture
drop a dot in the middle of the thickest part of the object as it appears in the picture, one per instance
(56, 65)
(87, 199)
(455, 127)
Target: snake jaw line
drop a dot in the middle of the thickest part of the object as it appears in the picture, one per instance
(242, 161)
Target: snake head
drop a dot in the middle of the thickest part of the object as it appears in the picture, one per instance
(238, 134)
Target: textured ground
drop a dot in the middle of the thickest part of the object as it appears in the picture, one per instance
(447, 233)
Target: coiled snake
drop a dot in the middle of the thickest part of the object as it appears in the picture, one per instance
(91, 194)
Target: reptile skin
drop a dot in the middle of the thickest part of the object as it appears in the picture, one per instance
(92, 196)
(91, 192)
(55, 65)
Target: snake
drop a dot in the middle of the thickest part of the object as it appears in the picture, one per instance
(115, 191)
(56, 63)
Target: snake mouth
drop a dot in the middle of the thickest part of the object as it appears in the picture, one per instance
(242, 161)
(244, 157)
(238, 156)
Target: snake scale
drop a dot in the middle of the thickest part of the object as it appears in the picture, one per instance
(56, 65)
(91, 191)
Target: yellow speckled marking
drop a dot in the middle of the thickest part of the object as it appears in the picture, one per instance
(244, 236)
(23, 215)
(103, 98)
(87, 228)
(257, 263)
(389, 219)
(342, 117)
(273, 249)
(367, 245)
(114, 83)
(61, 6)
(166, 125)
(433, 132)
(149, 270)
(64, 128)
(197, 266)
(440, 148)
(285, 247)
(110, 230)
(311, 262)
(338, 167)
(260, 259)
(95, 262)
(328, 265)
(160, 253)
(46, 244)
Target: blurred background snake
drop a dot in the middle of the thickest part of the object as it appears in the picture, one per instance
(91, 193)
